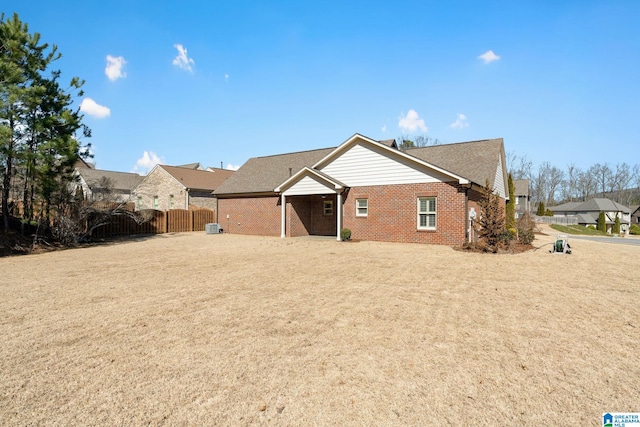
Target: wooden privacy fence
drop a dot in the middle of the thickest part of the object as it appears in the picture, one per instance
(157, 222)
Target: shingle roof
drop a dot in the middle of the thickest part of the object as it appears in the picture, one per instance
(263, 174)
(121, 181)
(592, 205)
(521, 187)
(474, 160)
(196, 165)
(198, 179)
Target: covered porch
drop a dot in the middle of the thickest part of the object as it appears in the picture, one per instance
(311, 204)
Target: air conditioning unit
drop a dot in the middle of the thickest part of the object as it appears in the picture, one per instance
(213, 228)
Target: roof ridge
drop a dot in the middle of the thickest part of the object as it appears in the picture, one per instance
(456, 143)
(294, 152)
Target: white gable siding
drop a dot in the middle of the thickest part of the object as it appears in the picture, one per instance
(498, 182)
(363, 166)
(308, 185)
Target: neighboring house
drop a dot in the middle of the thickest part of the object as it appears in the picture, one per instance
(196, 166)
(522, 196)
(175, 187)
(99, 184)
(635, 214)
(423, 195)
(587, 212)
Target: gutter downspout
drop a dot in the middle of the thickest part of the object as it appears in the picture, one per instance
(467, 221)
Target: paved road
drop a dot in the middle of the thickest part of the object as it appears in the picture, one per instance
(619, 240)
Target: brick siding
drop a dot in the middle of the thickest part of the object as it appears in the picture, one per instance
(392, 215)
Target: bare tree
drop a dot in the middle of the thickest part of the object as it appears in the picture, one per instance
(622, 178)
(519, 167)
(603, 175)
(586, 183)
(540, 184)
(555, 179)
(570, 184)
(406, 142)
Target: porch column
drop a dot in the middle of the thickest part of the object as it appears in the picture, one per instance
(283, 230)
(339, 215)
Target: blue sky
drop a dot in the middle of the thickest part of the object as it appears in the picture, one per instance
(220, 82)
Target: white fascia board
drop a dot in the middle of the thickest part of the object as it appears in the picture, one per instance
(308, 171)
(345, 145)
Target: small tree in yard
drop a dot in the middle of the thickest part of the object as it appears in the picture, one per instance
(511, 206)
(490, 224)
(602, 222)
(541, 210)
(616, 225)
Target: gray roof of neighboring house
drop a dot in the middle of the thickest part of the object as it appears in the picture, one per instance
(196, 165)
(263, 174)
(474, 160)
(585, 218)
(121, 181)
(634, 209)
(606, 205)
(565, 207)
(195, 179)
(521, 187)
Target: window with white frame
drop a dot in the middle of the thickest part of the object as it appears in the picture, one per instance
(362, 207)
(426, 213)
(328, 207)
(170, 201)
(155, 202)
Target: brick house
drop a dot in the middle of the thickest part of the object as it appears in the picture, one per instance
(175, 187)
(423, 195)
(99, 184)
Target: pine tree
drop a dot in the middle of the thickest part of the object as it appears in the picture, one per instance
(541, 210)
(616, 225)
(490, 224)
(602, 222)
(38, 132)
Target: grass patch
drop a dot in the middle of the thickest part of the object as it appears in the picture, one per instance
(578, 229)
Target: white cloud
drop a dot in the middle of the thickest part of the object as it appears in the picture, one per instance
(182, 60)
(384, 129)
(94, 109)
(461, 122)
(113, 70)
(489, 56)
(147, 162)
(232, 167)
(226, 77)
(412, 122)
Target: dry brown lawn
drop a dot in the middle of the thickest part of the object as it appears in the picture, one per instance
(196, 329)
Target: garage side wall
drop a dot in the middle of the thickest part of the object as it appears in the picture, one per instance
(259, 216)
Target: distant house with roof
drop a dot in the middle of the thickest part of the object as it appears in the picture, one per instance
(635, 214)
(97, 184)
(587, 212)
(179, 187)
(423, 195)
(522, 196)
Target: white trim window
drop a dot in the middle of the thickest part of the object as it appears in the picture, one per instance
(426, 213)
(155, 202)
(362, 207)
(328, 207)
